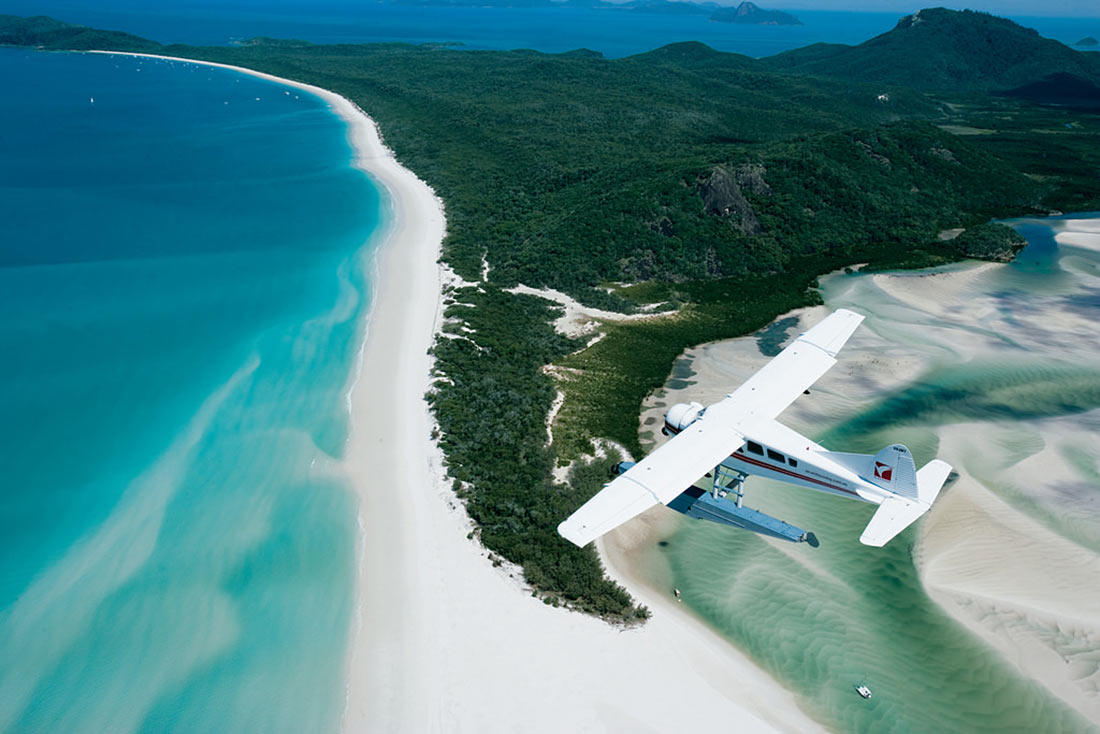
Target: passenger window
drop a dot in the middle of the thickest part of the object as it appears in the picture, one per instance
(792, 461)
(776, 456)
(754, 448)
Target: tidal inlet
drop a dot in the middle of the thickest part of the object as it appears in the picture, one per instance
(986, 615)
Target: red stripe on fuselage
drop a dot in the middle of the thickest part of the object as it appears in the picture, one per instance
(777, 470)
(785, 470)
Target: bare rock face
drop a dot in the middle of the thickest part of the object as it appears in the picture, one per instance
(946, 154)
(876, 157)
(723, 195)
(663, 226)
(750, 177)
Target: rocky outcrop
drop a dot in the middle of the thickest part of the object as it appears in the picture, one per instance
(945, 154)
(876, 157)
(723, 194)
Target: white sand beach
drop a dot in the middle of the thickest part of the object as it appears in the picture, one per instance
(443, 639)
(1079, 233)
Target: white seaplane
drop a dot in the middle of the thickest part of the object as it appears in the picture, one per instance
(739, 436)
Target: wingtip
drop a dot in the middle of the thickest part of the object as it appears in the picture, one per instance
(849, 315)
(831, 333)
(573, 534)
(871, 541)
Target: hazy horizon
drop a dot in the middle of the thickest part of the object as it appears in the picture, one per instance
(1019, 8)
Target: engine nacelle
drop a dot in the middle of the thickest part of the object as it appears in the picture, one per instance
(621, 467)
(680, 416)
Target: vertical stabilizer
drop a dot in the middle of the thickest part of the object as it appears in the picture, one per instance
(893, 470)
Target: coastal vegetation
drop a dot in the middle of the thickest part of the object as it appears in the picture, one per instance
(990, 241)
(715, 184)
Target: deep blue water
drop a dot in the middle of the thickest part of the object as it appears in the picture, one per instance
(613, 32)
(180, 300)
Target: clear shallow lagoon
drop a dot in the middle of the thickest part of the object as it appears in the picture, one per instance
(1000, 375)
(181, 291)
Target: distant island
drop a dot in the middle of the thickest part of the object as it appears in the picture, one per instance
(1087, 41)
(750, 13)
(746, 13)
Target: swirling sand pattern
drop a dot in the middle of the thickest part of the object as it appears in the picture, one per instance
(986, 616)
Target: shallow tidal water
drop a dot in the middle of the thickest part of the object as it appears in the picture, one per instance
(996, 369)
(182, 293)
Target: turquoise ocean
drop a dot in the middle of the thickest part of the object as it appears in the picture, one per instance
(181, 294)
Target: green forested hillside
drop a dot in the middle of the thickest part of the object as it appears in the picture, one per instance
(718, 183)
(571, 172)
(940, 49)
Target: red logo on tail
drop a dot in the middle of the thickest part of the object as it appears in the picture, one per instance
(884, 471)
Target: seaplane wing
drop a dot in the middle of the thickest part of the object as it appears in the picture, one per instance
(698, 448)
(660, 477)
(778, 383)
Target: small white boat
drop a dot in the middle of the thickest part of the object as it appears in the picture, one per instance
(863, 691)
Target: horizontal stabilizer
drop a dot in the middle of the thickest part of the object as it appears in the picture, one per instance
(930, 479)
(898, 512)
(893, 515)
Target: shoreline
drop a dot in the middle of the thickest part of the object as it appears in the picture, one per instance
(443, 638)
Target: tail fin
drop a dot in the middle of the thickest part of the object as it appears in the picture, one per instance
(893, 470)
(899, 511)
